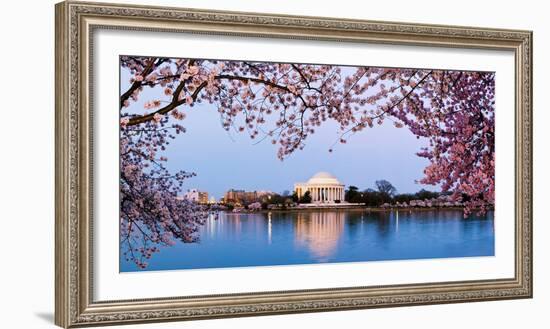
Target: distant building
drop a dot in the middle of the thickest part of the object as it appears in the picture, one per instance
(247, 197)
(203, 197)
(233, 195)
(323, 188)
(196, 196)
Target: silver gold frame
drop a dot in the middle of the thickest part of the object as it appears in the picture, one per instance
(75, 24)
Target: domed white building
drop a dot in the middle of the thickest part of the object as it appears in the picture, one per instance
(323, 188)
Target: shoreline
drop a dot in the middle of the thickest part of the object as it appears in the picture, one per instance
(348, 208)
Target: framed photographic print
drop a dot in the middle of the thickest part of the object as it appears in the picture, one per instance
(240, 164)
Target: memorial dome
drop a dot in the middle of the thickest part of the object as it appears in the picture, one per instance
(323, 178)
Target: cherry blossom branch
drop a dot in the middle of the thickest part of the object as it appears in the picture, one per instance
(137, 84)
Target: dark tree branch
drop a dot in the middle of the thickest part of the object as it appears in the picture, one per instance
(137, 84)
(177, 102)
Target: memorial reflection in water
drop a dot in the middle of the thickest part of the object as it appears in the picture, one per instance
(319, 232)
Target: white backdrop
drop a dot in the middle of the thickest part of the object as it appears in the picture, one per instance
(26, 140)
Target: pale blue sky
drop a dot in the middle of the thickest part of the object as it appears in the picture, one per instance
(224, 160)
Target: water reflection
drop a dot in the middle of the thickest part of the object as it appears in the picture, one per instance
(305, 237)
(320, 232)
(396, 221)
(269, 227)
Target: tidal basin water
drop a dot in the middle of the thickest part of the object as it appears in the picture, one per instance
(328, 236)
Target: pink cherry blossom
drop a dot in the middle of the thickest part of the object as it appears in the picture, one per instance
(158, 117)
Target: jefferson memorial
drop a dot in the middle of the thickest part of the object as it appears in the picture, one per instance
(323, 188)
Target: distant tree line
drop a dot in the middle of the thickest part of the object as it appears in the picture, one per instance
(385, 192)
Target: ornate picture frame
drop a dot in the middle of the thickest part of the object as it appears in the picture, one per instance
(75, 24)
